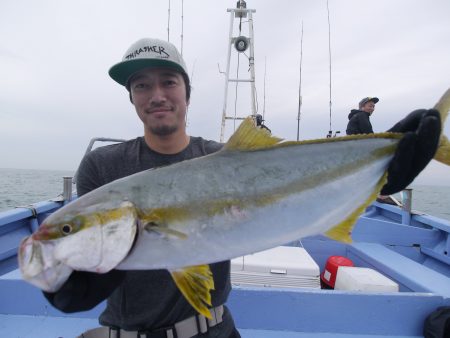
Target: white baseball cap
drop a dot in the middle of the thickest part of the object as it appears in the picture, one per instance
(147, 53)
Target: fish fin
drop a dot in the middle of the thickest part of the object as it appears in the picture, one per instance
(250, 137)
(342, 231)
(443, 106)
(443, 151)
(195, 283)
(164, 231)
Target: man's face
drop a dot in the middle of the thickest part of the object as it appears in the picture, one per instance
(369, 107)
(159, 96)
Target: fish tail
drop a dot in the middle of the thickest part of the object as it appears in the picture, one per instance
(342, 231)
(443, 151)
(195, 283)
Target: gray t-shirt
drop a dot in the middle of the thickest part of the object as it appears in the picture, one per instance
(147, 299)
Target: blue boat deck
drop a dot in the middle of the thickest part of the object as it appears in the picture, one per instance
(414, 255)
(60, 327)
(258, 312)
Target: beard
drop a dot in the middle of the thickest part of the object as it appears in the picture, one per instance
(164, 130)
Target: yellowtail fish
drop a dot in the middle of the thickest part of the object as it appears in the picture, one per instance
(254, 194)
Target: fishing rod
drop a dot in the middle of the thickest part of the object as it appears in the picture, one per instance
(300, 86)
(182, 25)
(168, 23)
(330, 130)
(329, 54)
(264, 101)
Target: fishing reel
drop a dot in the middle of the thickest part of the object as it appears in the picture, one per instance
(330, 133)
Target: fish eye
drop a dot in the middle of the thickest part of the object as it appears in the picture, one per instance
(66, 229)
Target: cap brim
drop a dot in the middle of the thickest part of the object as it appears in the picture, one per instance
(122, 71)
(374, 99)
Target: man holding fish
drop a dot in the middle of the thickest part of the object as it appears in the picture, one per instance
(157, 243)
(156, 78)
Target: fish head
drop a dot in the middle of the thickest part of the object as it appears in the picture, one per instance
(96, 238)
(39, 267)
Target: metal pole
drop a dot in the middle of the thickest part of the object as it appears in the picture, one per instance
(406, 206)
(67, 188)
(227, 75)
(252, 63)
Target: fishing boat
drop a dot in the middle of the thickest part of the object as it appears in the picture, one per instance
(394, 274)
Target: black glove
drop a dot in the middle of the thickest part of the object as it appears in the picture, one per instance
(84, 290)
(422, 129)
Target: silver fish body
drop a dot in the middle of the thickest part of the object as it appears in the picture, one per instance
(239, 202)
(214, 208)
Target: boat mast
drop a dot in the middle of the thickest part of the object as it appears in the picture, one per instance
(241, 44)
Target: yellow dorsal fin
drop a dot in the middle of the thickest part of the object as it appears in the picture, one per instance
(443, 151)
(342, 231)
(250, 137)
(195, 283)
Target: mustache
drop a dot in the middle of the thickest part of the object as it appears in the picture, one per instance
(158, 106)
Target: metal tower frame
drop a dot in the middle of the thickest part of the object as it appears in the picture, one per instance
(239, 13)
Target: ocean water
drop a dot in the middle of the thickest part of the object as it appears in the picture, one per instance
(433, 200)
(25, 186)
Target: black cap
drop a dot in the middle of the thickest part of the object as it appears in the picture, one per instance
(368, 99)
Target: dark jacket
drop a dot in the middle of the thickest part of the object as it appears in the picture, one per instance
(359, 123)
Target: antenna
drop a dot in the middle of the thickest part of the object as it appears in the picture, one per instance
(329, 52)
(168, 23)
(300, 86)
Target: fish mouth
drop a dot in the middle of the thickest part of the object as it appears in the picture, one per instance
(37, 267)
(41, 234)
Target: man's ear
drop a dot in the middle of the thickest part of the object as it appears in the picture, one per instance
(131, 98)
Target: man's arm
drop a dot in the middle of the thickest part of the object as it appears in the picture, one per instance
(84, 290)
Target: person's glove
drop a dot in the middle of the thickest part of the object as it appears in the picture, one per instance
(422, 129)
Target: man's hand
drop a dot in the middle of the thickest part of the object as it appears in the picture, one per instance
(422, 129)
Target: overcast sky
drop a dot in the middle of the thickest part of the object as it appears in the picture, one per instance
(55, 93)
